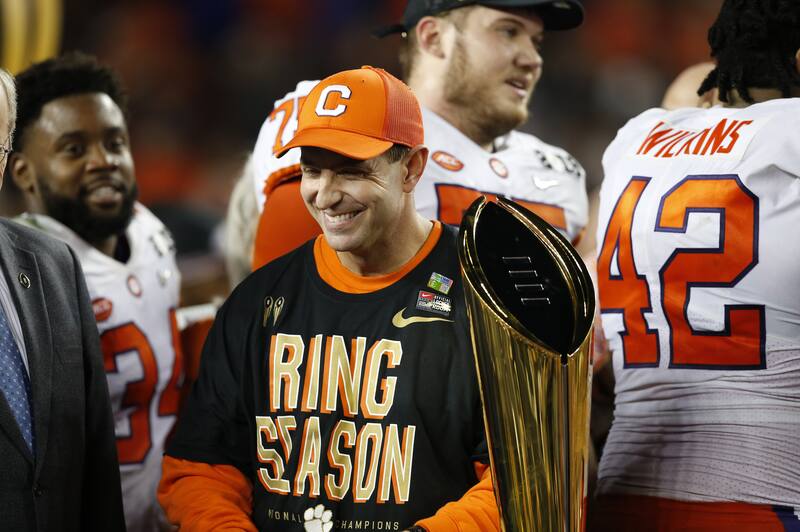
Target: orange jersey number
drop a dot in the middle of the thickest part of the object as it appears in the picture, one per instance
(139, 394)
(740, 345)
(627, 292)
(169, 403)
(287, 110)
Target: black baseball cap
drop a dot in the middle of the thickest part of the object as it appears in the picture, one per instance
(555, 14)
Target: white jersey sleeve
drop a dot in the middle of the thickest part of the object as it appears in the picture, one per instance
(700, 299)
(134, 305)
(277, 130)
(543, 178)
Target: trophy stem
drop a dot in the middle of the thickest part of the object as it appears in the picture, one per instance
(567, 455)
(530, 305)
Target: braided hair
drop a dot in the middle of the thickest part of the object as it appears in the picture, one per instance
(754, 43)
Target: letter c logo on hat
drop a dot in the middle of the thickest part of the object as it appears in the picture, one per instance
(344, 94)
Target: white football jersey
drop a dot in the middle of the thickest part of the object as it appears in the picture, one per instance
(543, 178)
(278, 129)
(700, 298)
(134, 305)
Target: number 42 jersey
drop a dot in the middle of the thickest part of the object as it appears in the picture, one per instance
(700, 298)
(134, 304)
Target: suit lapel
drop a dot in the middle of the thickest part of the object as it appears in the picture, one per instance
(35, 331)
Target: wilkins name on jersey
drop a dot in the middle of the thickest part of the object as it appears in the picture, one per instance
(700, 298)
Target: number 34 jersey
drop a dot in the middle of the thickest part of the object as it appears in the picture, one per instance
(134, 305)
(700, 298)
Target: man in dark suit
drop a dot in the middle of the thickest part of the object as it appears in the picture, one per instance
(58, 461)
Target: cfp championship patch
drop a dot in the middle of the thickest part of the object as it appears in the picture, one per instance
(440, 283)
(435, 303)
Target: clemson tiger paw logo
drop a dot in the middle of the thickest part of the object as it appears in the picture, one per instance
(318, 519)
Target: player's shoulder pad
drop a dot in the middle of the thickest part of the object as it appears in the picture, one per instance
(778, 122)
(145, 222)
(649, 119)
(278, 127)
(301, 90)
(549, 156)
(633, 128)
(143, 215)
(268, 131)
(780, 112)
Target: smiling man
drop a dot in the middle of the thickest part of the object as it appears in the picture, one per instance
(72, 161)
(474, 66)
(337, 387)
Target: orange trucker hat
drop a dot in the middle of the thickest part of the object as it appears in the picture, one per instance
(359, 114)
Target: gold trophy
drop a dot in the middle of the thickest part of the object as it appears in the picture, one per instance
(30, 31)
(531, 305)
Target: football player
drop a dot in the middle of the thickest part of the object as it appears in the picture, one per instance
(337, 387)
(700, 295)
(72, 161)
(474, 66)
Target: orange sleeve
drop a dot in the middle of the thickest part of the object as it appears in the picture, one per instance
(475, 511)
(200, 497)
(284, 223)
(578, 238)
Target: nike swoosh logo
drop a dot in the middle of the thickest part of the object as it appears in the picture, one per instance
(544, 184)
(400, 321)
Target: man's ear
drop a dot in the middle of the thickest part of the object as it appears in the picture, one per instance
(22, 172)
(416, 160)
(431, 35)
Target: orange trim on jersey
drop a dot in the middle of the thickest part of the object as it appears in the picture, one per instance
(281, 176)
(579, 237)
(623, 513)
(475, 511)
(333, 273)
(454, 200)
(284, 223)
(200, 497)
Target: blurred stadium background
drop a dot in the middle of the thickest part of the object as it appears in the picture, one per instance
(202, 76)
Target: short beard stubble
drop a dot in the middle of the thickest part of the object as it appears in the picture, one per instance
(482, 121)
(76, 214)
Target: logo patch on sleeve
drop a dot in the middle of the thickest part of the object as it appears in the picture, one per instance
(435, 303)
(440, 283)
(102, 308)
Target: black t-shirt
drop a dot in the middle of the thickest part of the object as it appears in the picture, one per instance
(349, 401)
